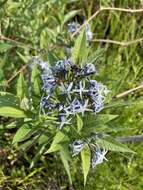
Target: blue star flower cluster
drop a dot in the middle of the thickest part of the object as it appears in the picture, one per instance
(68, 89)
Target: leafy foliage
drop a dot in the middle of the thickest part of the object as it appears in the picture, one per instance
(29, 139)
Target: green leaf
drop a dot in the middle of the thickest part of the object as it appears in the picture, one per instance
(95, 56)
(105, 118)
(79, 123)
(85, 157)
(13, 7)
(35, 80)
(100, 119)
(44, 138)
(23, 58)
(38, 155)
(7, 111)
(21, 87)
(97, 129)
(79, 49)
(69, 15)
(55, 146)
(8, 99)
(23, 133)
(109, 143)
(52, 58)
(65, 159)
(5, 46)
(10, 106)
(124, 103)
(26, 144)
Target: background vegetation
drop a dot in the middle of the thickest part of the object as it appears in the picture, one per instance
(35, 27)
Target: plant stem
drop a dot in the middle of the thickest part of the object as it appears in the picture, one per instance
(19, 71)
(118, 42)
(106, 9)
(129, 91)
(134, 139)
(20, 44)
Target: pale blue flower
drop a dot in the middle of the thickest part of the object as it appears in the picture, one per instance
(64, 120)
(77, 146)
(97, 106)
(89, 69)
(43, 64)
(89, 34)
(47, 105)
(98, 157)
(49, 82)
(72, 27)
(66, 89)
(80, 88)
(62, 66)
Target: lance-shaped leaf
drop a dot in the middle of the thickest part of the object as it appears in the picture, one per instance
(58, 138)
(65, 157)
(124, 103)
(69, 15)
(10, 106)
(95, 56)
(23, 133)
(7, 111)
(8, 99)
(35, 79)
(79, 123)
(92, 120)
(52, 58)
(79, 50)
(105, 118)
(39, 153)
(85, 157)
(25, 59)
(22, 89)
(108, 143)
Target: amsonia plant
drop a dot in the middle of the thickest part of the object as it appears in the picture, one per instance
(59, 108)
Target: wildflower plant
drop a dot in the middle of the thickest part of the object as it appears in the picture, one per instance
(60, 114)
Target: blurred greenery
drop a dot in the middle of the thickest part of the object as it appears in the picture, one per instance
(37, 27)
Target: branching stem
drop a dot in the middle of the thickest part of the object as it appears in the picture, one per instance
(105, 9)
